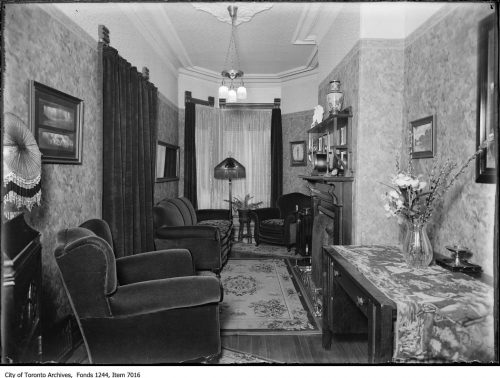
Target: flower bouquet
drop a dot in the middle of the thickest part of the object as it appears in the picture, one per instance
(412, 199)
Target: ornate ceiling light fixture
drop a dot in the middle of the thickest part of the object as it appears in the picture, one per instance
(232, 65)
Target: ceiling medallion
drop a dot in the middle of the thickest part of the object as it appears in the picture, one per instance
(246, 11)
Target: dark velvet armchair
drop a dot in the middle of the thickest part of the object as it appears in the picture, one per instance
(205, 233)
(277, 225)
(147, 308)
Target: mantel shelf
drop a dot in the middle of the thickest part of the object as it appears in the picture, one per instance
(325, 124)
(326, 179)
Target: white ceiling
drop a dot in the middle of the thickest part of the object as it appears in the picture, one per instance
(275, 43)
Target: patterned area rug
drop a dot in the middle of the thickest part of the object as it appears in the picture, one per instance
(261, 296)
(244, 250)
(232, 357)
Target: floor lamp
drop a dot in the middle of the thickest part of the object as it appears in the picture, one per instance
(229, 169)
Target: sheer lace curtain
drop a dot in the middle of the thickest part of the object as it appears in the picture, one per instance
(246, 136)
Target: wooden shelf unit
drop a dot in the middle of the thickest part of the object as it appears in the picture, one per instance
(334, 134)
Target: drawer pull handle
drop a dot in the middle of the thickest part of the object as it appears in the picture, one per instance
(336, 273)
(360, 300)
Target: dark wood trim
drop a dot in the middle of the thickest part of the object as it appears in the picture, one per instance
(189, 98)
(484, 174)
(103, 33)
(223, 104)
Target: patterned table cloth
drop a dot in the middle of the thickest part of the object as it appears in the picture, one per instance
(441, 316)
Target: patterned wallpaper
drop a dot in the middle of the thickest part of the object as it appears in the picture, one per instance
(347, 71)
(168, 131)
(39, 47)
(295, 126)
(378, 137)
(441, 79)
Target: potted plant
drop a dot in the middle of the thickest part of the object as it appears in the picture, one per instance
(243, 206)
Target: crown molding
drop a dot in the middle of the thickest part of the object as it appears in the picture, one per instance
(314, 21)
(215, 77)
(304, 33)
(170, 57)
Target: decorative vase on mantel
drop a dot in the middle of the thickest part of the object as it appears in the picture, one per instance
(335, 97)
(417, 248)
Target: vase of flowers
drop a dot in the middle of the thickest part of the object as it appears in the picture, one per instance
(412, 199)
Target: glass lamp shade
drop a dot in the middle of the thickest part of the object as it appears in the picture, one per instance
(241, 93)
(223, 91)
(229, 168)
(231, 96)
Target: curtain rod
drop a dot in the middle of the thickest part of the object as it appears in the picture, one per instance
(189, 98)
(250, 105)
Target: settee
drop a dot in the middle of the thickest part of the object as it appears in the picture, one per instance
(205, 233)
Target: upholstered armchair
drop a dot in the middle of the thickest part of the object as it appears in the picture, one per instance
(205, 233)
(147, 308)
(278, 225)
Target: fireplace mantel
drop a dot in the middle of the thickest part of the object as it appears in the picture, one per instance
(326, 179)
(328, 190)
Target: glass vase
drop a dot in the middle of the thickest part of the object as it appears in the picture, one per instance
(417, 248)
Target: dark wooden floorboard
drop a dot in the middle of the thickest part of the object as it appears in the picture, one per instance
(288, 349)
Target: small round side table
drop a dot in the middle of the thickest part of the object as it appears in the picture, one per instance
(245, 220)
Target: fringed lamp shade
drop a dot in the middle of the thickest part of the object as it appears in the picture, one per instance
(229, 168)
(22, 167)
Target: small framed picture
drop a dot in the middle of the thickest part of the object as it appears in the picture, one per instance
(298, 153)
(56, 120)
(423, 137)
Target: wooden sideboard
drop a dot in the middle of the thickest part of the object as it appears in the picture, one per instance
(21, 293)
(442, 316)
(352, 305)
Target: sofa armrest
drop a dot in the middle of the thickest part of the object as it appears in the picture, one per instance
(182, 232)
(209, 214)
(166, 294)
(156, 265)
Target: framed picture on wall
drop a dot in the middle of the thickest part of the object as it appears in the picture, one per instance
(298, 153)
(423, 137)
(167, 162)
(56, 120)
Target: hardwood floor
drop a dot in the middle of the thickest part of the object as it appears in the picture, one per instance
(296, 349)
(287, 349)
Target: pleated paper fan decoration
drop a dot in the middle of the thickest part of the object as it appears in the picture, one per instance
(22, 165)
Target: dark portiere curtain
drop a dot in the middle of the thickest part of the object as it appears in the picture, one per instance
(190, 154)
(129, 152)
(276, 157)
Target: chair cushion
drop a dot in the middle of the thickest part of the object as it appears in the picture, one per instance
(273, 222)
(224, 226)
